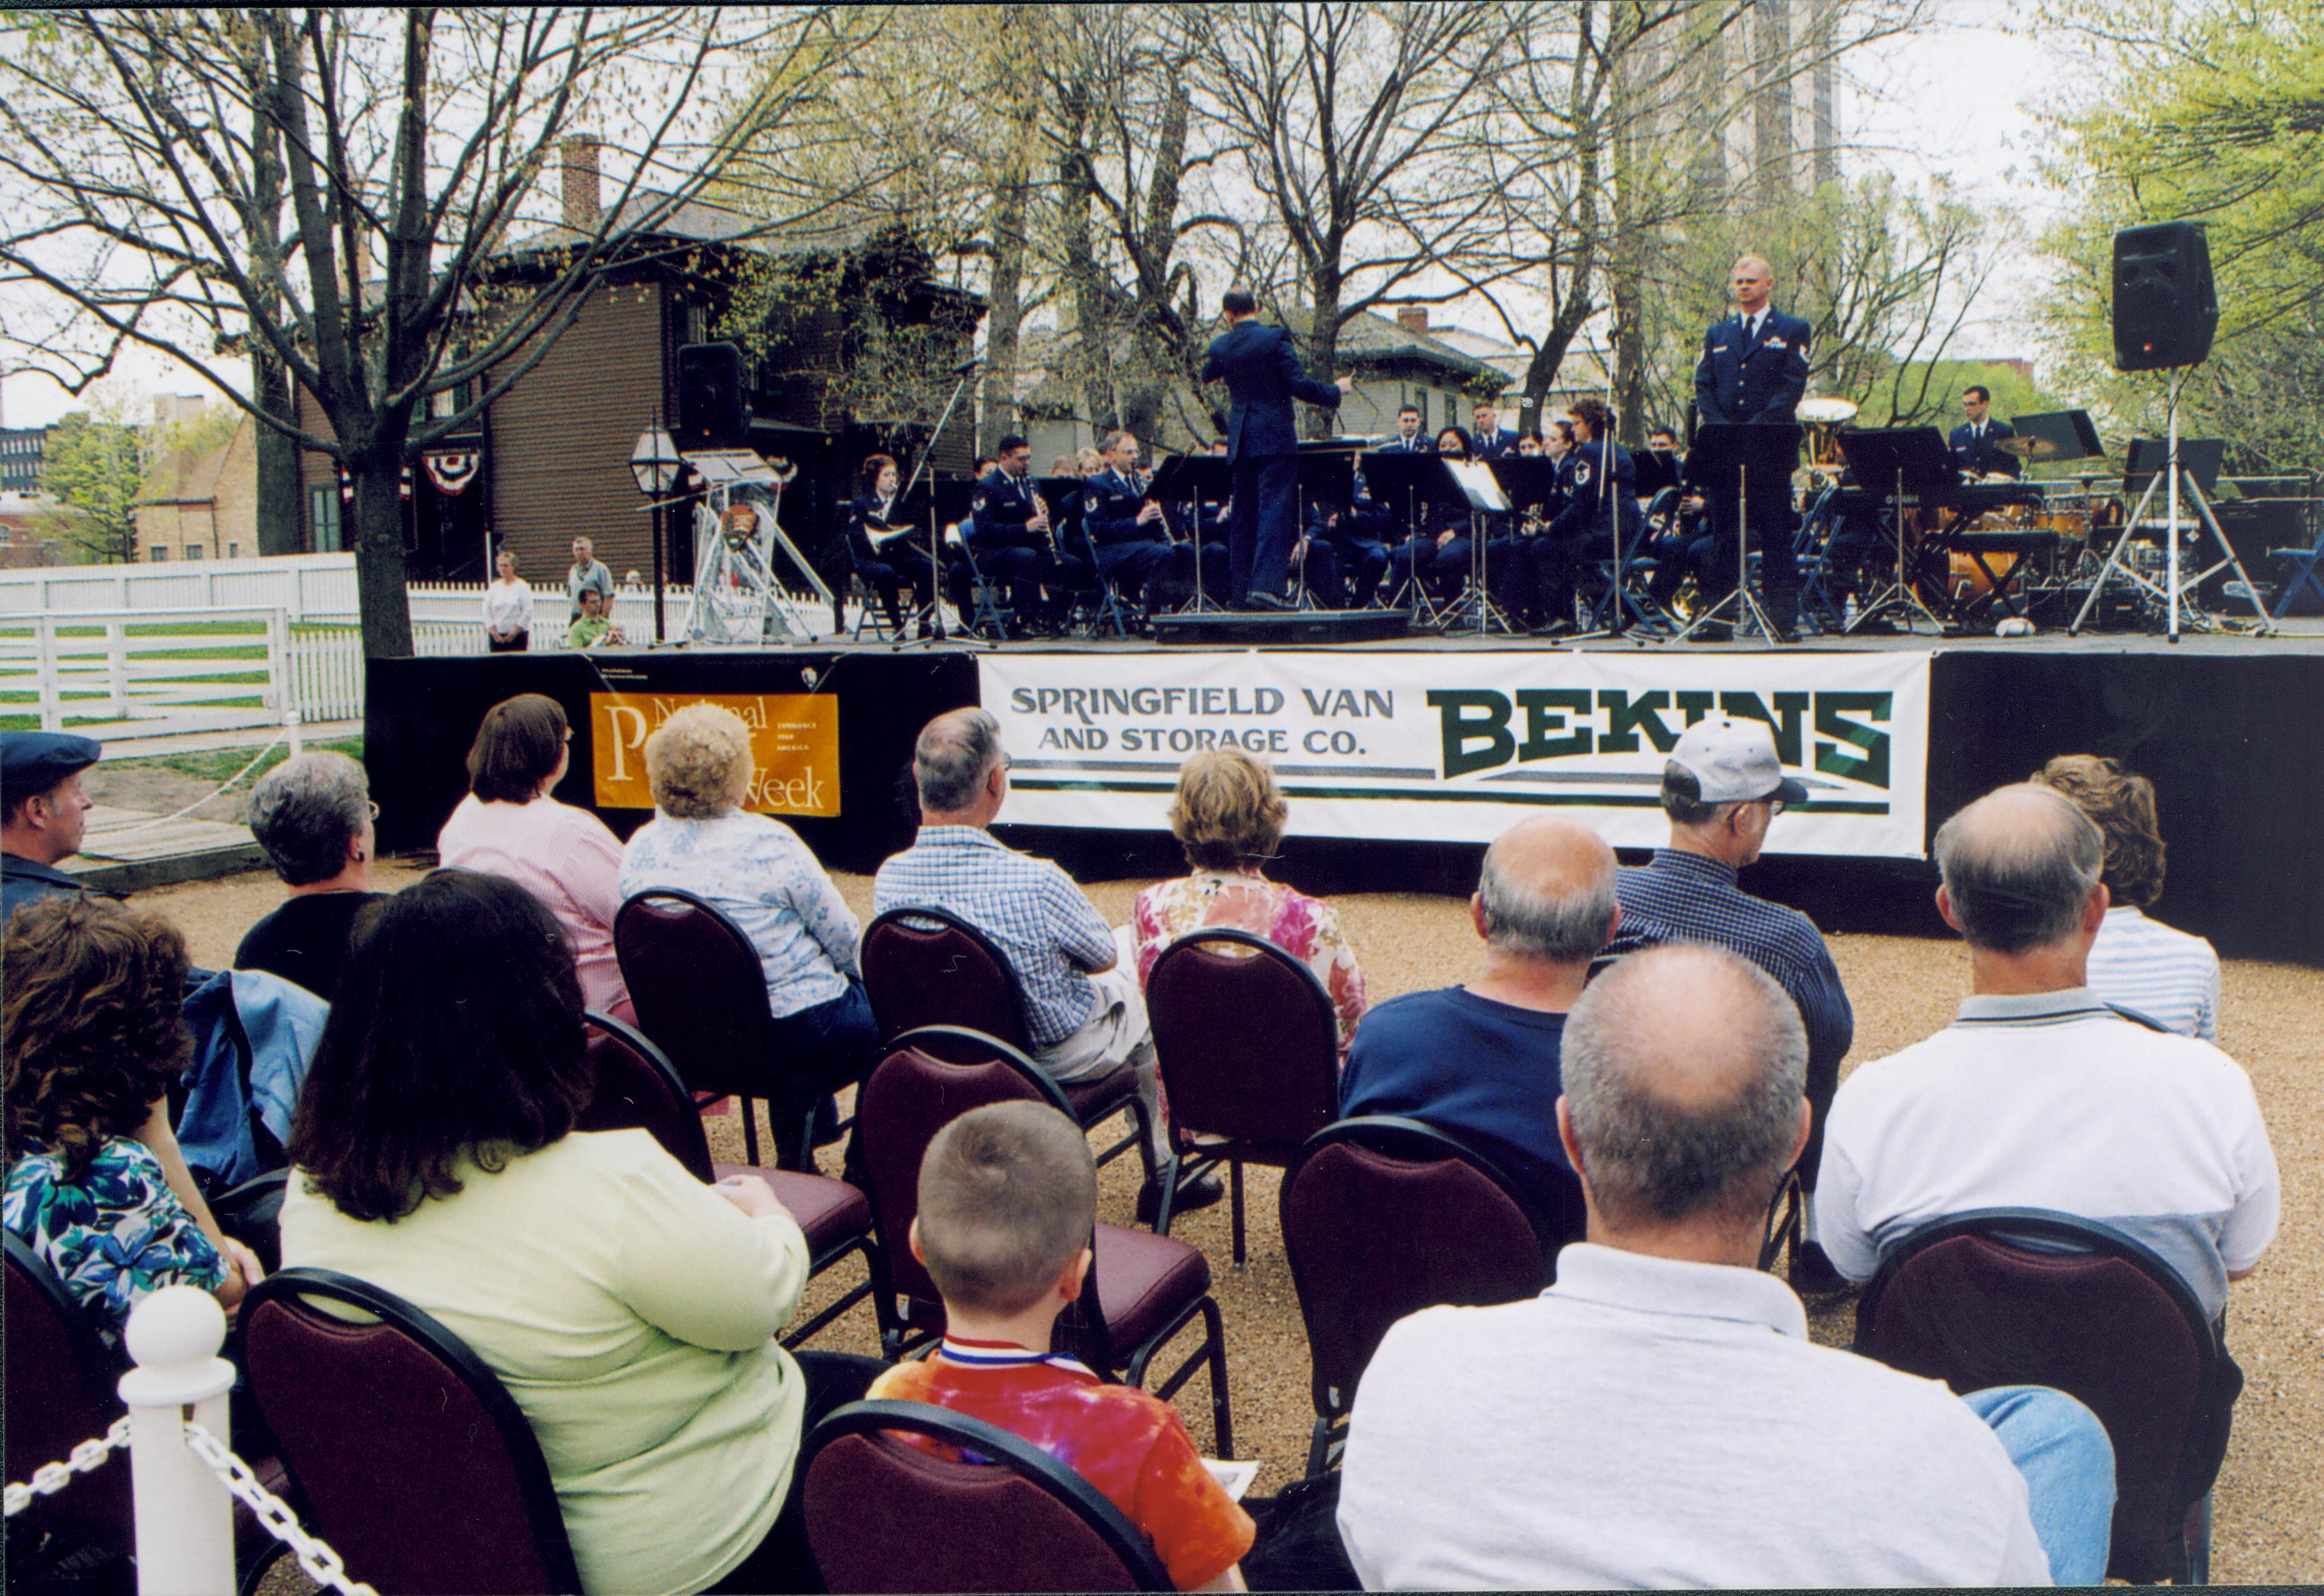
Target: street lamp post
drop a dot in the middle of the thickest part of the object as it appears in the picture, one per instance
(656, 464)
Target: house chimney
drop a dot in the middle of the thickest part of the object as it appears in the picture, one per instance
(581, 197)
(1412, 318)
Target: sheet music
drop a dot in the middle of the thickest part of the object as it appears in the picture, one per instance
(1477, 481)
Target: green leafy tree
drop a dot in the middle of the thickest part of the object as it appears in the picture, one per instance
(94, 467)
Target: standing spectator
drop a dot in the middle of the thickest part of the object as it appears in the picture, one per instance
(1229, 817)
(756, 870)
(2141, 963)
(93, 1039)
(313, 815)
(587, 574)
(46, 814)
(508, 608)
(508, 826)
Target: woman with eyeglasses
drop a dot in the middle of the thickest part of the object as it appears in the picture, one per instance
(508, 826)
(313, 815)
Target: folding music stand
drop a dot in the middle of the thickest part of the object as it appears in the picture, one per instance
(1653, 470)
(1903, 462)
(945, 502)
(1327, 471)
(1526, 480)
(1477, 484)
(1193, 481)
(1409, 478)
(2071, 435)
(1726, 457)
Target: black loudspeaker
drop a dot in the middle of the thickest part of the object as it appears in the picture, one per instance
(2165, 309)
(713, 409)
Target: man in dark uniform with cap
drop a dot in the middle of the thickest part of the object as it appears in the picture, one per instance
(42, 813)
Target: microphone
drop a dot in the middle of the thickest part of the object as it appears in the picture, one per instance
(968, 365)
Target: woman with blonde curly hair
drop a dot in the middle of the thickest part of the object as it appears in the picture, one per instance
(756, 870)
(93, 1037)
(1229, 816)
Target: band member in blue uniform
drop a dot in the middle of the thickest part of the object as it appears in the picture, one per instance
(1010, 533)
(1263, 377)
(1753, 371)
(886, 561)
(1977, 441)
(1488, 439)
(1601, 485)
(1131, 533)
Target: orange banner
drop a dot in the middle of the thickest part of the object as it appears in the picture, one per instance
(794, 747)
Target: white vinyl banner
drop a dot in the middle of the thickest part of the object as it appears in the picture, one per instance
(1456, 747)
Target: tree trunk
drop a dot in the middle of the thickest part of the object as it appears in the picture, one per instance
(380, 587)
(997, 411)
(278, 458)
(1323, 346)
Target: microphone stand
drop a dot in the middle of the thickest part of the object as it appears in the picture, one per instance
(935, 631)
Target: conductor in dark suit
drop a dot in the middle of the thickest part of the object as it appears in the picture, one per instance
(1753, 373)
(1262, 372)
(1977, 441)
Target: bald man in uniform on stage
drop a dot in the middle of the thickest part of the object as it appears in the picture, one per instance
(1753, 373)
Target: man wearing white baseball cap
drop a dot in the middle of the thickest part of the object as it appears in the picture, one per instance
(1722, 787)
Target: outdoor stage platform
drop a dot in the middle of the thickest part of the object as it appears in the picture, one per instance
(1401, 757)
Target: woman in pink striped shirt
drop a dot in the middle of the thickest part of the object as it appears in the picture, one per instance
(509, 826)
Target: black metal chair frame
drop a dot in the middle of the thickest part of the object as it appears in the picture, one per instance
(696, 1160)
(1188, 1163)
(703, 1097)
(1398, 1136)
(1124, 1539)
(1140, 1138)
(1085, 1320)
(516, 1431)
(2043, 1229)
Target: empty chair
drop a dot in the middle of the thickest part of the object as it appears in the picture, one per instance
(885, 1515)
(2023, 1296)
(410, 1455)
(1248, 1047)
(636, 1086)
(1143, 1288)
(1384, 1216)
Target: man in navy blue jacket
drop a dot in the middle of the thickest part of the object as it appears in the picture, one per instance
(1262, 372)
(1753, 371)
(1977, 441)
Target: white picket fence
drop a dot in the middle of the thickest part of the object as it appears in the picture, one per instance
(303, 587)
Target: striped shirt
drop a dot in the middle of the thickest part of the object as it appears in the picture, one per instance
(1047, 929)
(2167, 975)
(2053, 1100)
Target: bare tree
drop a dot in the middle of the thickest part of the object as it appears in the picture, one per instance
(144, 204)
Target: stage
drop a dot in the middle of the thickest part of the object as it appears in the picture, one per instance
(1401, 757)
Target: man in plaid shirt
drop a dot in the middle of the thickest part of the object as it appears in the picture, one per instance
(1084, 1015)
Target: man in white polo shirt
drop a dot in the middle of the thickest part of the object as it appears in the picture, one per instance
(1658, 1417)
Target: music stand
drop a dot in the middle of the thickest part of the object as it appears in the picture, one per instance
(1901, 463)
(1726, 457)
(1409, 478)
(1653, 470)
(2071, 435)
(945, 502)
(1477, 484)
(1193, 481)
(1327, 471)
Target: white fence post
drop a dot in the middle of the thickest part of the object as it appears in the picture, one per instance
(281, 690)
(44, 647)
(185, 1515)
(290, 733)
(116, 667)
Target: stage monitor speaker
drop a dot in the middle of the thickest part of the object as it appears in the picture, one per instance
(2165, 309)
(713, 409)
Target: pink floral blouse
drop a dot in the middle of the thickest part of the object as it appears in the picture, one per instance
(1302, 927)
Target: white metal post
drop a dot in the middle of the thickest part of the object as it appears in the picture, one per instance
(2171, 466)
(44, 654)
(185, 1515)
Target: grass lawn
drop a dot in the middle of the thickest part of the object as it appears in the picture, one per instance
(215, 764)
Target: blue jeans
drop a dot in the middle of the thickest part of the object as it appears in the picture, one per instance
(2063, 1450)
(818, 1051)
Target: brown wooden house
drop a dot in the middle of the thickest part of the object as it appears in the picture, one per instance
(549, 460)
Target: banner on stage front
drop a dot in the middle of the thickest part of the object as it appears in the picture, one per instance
(794, 747)
(1457, 747)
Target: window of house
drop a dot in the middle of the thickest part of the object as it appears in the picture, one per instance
(156, 554)
(193, 551)
(234, 551)
(323, 520)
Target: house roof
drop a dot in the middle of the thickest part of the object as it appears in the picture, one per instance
(700, 221)
(190, 476)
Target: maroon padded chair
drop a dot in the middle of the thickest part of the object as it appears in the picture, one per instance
(1384, 1216)
(61, 1392)
(1143, 1288)
(636, 1087)
(701, 994)
(2005, 1296)
(885, 1515)
(1248, 1046)
(925, 967)
(411, 1456)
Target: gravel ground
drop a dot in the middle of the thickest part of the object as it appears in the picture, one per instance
(2269, 1509)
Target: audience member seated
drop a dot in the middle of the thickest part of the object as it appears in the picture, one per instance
(592, 627)
(1722, 787)
(1481, 1060)
(756, 870)
(313, 815)
(1229, 817)
(1007, 1199)
(631, 1310)
(508, 826)
(2039, 1095)
(1084, 1015)
(47, 812)
(93, 1038)
(2142, 964)
(1659, 1415)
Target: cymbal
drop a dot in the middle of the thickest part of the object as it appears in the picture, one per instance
(2029, 448)
(1825, 412)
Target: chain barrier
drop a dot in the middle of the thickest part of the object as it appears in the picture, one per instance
(85, 1459)
(321, 1564)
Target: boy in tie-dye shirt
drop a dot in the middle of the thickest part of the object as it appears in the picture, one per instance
(1008, 1200)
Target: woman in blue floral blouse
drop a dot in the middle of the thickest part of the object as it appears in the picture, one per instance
(92, 1035)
